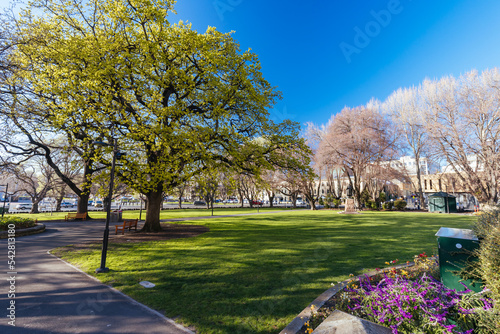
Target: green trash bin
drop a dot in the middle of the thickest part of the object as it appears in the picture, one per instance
(456, 254)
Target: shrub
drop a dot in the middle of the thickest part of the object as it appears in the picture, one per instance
(19, 222)
(321, 202)
(336, 202)
(371, 204)
(487, 229)
(387, 205)
(400, 204)
(368, 203)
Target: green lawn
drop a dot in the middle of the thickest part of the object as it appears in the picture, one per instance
(254, 274)
(165, 214)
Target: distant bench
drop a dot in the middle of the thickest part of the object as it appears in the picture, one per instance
(126, 224)
(69, 216)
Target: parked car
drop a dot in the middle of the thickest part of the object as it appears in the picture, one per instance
(24, 206)
(98, 204)
(199, 203)
(257, 202)
(67, 205)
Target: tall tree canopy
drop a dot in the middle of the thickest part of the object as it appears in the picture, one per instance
(404, 107)
(463, 119)
(176, 100)
(358, 140)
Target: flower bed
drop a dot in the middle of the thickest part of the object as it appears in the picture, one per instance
(411, 300)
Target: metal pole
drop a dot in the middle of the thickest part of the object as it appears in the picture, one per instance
(103, 268)
(5, 198)
(140, 209)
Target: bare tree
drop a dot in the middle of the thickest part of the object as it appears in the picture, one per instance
(271, 184)
(463, 119)
(310, 185)
(290, 185)
(34, 179)
(404, 107)
(249, 186)
(356, 139)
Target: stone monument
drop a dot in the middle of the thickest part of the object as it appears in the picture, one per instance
(342, 323)
(350, 206)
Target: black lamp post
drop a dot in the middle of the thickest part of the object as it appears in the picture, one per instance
(105, 238)
(5, 198)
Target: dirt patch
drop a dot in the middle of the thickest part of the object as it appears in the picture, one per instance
(170, 231)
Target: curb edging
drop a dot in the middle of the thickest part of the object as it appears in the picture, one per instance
(25, 231)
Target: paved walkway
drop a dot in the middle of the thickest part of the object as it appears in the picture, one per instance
(53, 297)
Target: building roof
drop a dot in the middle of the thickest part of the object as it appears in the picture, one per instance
(441, 194)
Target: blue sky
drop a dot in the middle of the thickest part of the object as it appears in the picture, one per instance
(300, 43)
(324, 55)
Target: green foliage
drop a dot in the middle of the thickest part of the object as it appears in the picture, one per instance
(371, 204)
(180, 100)
(400, 204)
(321, 201)
(332, 201)
(382, 197)
(365, 196)
(17, 221)
(388, 205)
(487, 228)
(336, 202)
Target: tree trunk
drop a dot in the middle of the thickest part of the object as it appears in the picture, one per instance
(312, 202)
(180, 202)
(241, 198)
(34, 208)
(420, 190)
(59, 201)
(154, 201)
(271, 200)
(83, 203)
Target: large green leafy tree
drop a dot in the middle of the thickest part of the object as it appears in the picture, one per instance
(27, 132)
(176, 100)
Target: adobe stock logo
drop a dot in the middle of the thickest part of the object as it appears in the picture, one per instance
(372, 29)
(279, 116)
(223, 6)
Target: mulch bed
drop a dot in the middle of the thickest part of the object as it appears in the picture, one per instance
(170, 231)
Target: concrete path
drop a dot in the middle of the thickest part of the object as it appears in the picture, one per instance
(53, 297)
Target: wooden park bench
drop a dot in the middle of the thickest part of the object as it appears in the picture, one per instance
(126, 224)
(81, 216)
